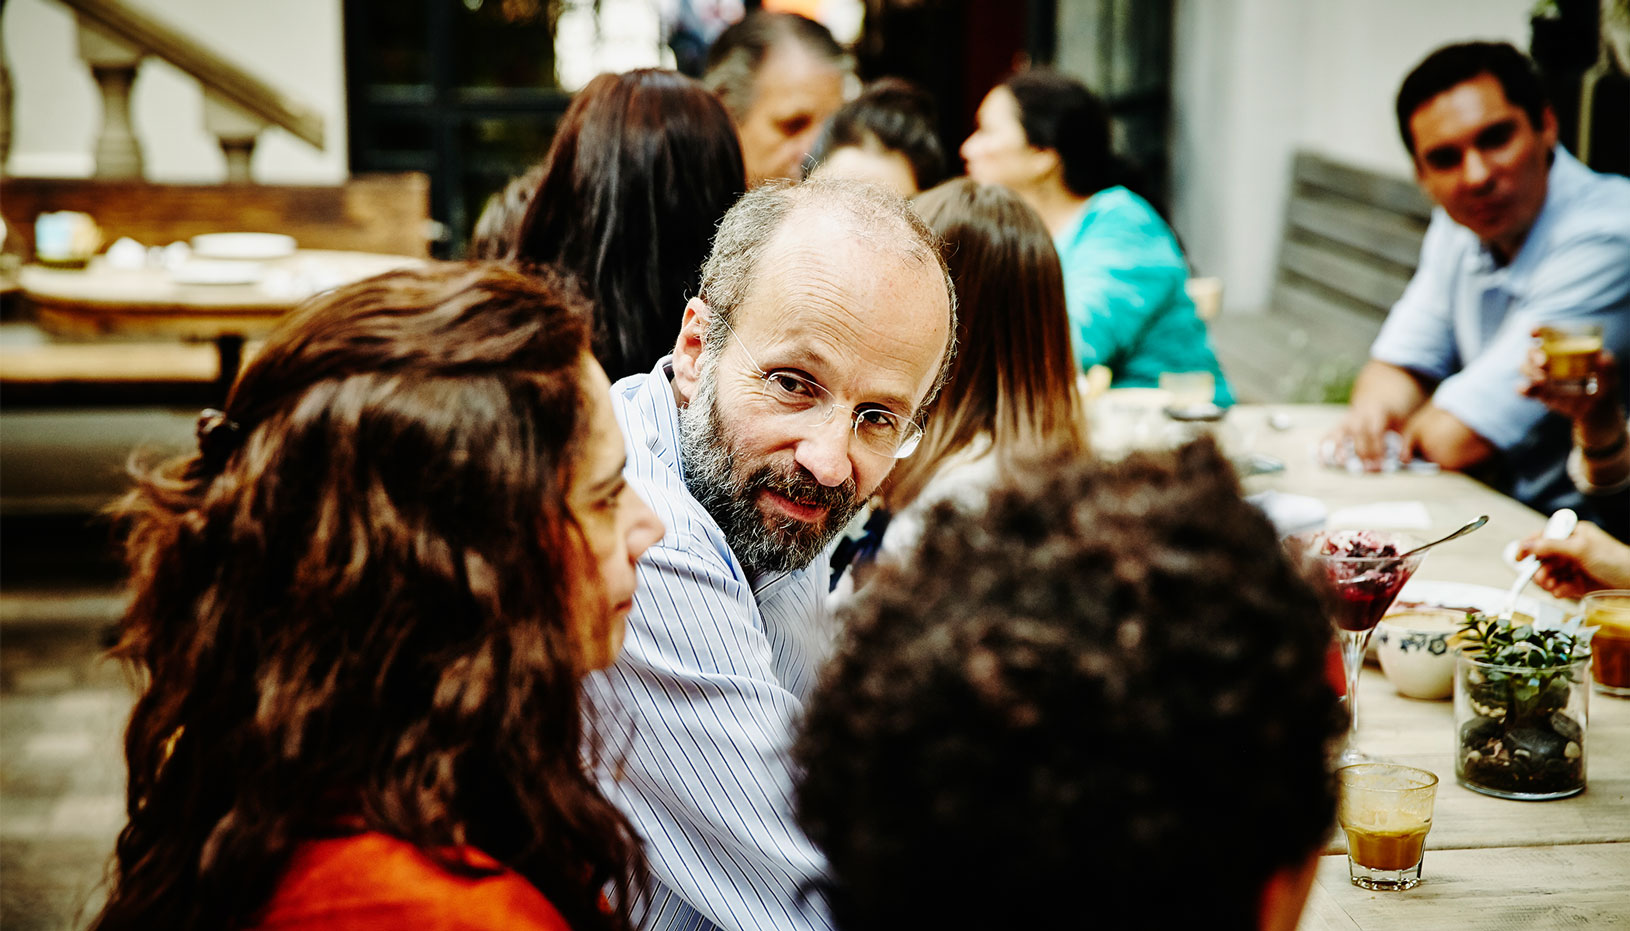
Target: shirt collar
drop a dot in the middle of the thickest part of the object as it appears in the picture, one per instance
(664, 412)
(1561, 185)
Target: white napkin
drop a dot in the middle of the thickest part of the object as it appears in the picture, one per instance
(1290, 513)
(1392, 515)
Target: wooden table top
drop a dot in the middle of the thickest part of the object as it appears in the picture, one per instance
(1490, 863)
(99, 300)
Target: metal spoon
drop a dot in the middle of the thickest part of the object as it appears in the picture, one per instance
(1558, 527)
(1468, 528)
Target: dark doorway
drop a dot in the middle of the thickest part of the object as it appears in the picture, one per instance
(462, 90)
(959, 49)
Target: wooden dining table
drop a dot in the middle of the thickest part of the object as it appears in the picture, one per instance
(152, 302)
(1490, 862)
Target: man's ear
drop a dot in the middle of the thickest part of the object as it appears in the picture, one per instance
(1548, 128)
(688, 350)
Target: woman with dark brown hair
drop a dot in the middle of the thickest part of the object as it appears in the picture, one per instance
(643, 167)
(1044, 135)
(1011, 393)
(362, 611)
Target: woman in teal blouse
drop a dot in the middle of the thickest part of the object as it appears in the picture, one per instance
(1047, 137)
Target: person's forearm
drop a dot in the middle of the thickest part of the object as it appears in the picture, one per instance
(1395, 392)
(1605, 447)
(1446, 440)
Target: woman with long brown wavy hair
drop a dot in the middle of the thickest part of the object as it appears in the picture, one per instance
(362, 611)
(1011, 393)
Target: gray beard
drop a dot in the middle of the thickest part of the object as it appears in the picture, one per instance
(761, 542)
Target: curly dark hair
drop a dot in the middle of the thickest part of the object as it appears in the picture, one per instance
(352, 608)
(1113, 677)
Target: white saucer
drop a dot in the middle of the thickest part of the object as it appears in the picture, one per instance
(260, 246)
(217, 272)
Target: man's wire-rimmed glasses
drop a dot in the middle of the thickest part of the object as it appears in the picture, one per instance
(880, 430)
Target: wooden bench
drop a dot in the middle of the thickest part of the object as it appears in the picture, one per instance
(387, 213)
(1351, 241)
(44, 373)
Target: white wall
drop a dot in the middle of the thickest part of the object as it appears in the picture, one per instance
(295, 45)
(1255, 80)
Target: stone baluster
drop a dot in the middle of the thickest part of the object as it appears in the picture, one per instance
(113, 63)
(236, 130)
(5, 104)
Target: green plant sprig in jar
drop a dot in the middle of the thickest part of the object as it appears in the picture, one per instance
(1521, 738)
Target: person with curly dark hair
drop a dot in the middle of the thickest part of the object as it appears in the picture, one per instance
(362, 611)
(1104, 696)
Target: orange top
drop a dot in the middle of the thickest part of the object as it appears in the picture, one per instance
(373, 882)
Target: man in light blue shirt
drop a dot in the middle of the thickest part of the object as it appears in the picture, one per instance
(824, 324)
(1525, 236)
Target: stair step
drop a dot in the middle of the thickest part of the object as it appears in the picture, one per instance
(25, 609)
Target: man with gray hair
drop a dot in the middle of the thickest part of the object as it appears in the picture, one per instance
(824, 324)
(781, 76)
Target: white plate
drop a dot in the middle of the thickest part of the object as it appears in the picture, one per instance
(1509, 555)
(217, 272)
(1478, 598)
(243, 246)
(1475, 597)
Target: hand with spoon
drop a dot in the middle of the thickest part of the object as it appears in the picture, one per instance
(1585, 561)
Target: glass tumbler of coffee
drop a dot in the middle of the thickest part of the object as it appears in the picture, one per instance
(1609, 612)
(1570, 355)
(1385, 810)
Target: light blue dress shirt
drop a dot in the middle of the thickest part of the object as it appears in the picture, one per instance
(1466, 321)
(712, 678)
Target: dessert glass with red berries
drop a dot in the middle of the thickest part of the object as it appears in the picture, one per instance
(1363, 570)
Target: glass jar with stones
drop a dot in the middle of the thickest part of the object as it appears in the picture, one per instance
(1521, 708)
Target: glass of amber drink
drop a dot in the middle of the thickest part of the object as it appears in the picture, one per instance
(1385, 810)
(1570, 355)
(1609, 612)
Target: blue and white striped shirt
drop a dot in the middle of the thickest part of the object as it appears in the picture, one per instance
(712, 677)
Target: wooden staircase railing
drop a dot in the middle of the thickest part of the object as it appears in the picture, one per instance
(115, 36)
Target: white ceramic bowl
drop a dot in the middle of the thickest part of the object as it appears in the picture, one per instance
(1416, 647)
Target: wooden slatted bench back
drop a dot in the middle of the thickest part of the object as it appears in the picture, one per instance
(1350, 244)
(386, 213)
